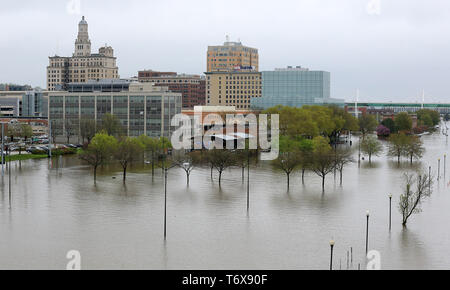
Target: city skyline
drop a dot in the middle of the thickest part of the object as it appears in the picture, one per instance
(368, 46)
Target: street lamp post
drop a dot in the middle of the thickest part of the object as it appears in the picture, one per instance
(331, 256)
(390, 212)
(187, 168)
(165, 200)
(165, 203)
(3, 149)
(9, 176)
(143, 117)
(439, 168)
(367, 232)
(445, 157)
(248, 181)
(359, 150)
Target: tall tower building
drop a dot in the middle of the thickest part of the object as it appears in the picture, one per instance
(82, 43)
(82, 65)
(231, 56)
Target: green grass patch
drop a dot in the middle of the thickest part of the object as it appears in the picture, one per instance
(18, 157)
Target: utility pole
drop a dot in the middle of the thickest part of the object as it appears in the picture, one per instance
(248, 181)
(3, 149)
(50, 139)
(9, 177)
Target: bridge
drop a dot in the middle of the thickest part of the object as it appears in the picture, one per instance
(442, 108)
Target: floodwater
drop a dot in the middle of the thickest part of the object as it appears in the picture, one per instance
(57, 208)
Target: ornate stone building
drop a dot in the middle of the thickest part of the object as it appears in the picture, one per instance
(83, 65)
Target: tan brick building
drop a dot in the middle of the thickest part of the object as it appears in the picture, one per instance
(83, 65)
(231, 55)
(233, 88)
(192, 87)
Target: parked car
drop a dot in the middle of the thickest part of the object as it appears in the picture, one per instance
(32, 149)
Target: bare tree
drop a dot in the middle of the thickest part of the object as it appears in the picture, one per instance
(417, 189)
(221, 159)
(87, 129)
(343, 157)
(69, 127)
(287, 162)
(185, 162)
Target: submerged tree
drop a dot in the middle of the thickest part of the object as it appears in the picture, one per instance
(288, 157)
(397, 145)
(128, 150)
(343, 157)
(99, 151)
(185, 162)
(306, 148)
(221, 159)
(371, 146)
(152, 147)
(414, 148)
(417, 190)
(323, 158)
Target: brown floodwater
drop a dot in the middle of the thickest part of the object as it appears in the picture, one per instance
(57, 208)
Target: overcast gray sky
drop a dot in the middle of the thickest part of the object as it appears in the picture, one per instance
(389, 49)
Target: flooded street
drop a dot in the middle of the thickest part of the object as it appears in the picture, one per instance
(58, 208)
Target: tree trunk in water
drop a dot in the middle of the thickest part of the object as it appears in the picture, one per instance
(303, 176)
(211, 172)
(153, 168)
(95, 174)
(243, 168)
(398, 159)
(220, 178)
(187, 177)
(288, 180)
(340, 174)
(124, 174)
(411, 159)
(323, 182)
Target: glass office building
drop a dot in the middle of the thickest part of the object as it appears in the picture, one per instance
(294, 87)
(140, 108)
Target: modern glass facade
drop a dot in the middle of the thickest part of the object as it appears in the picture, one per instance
(295, 88)
(139, 112)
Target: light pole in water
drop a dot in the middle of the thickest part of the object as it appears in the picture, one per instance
(248, 181)
(439, 168)
(359, 150)
(390, 211)
(367, 232)
(185, 165)
(331, 256)
(429, 178)
(445, 157)
(165, 203)
(3, 149)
